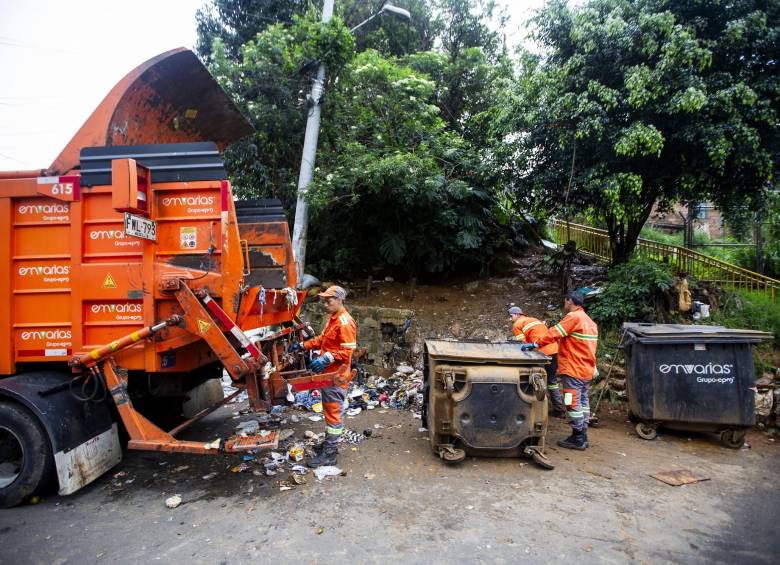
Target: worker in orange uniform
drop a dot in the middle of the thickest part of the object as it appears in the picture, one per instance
(335, 344)
(577, 336)
(527, 329)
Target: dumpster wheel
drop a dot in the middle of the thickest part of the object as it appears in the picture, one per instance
(647, 431)
(451, 454)
(733, 439)
(538, 457)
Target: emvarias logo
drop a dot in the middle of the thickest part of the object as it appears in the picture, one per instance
(696, 369)
(27, 209)
(126, 308)
(36, 335)
(44, 270)
(188, 200)
(107, 234)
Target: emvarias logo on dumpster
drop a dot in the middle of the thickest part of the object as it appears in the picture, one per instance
(703, 372)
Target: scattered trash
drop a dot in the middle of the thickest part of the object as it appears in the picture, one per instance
(300, 469)
(35, 499)
(327, 471)
(368, 432)
(296, 453)
(285, 434)
(680, 477)
(298, 479)
(315, 418)
(370, 476)
(319, 530)
(180, 468)
(351, 436)
(354, 411)
(210, 476)
(248, 458)
(173, 501)
(120, 474)
(248, 428)
(240, 468)
(283, 487)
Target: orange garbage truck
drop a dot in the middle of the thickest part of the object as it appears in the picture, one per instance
(131, 281)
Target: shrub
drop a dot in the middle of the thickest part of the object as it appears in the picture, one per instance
(635, 292)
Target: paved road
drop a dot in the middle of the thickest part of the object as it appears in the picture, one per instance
(399, 504)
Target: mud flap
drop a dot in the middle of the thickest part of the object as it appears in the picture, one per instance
(80, 466)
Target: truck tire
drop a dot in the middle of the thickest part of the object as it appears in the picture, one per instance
(26, 461)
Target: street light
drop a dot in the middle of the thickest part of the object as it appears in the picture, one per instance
(301, 226)
(387, 10)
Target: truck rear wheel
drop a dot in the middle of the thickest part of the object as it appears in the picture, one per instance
(26, 461)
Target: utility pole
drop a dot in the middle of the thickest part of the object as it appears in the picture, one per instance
(301, 227)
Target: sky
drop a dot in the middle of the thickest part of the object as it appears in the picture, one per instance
(59, 58)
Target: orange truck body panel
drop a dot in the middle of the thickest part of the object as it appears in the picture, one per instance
(72, 280)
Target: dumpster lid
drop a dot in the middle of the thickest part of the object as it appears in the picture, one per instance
(671, 332)
(484, 352)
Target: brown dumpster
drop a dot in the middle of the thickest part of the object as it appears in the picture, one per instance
(485, 398)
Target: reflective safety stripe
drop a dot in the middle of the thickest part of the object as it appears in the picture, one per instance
(574, 414)
(561, 330)
(520, 337)
(529, 326)
(553, 387)
(586, 337)
(343, 319)
(334, 431)
(350, 345)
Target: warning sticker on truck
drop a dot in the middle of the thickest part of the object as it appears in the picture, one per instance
(188, 238)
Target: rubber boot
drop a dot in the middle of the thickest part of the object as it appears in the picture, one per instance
(577, 440)
(326, 458)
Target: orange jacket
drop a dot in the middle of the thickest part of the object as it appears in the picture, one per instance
(339, 338)
(530, 330)
(578, 336)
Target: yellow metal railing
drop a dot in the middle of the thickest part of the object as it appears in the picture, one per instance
(594, 241)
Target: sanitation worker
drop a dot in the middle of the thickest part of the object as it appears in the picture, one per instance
(335, 345)
(577, 336)
(527, 329)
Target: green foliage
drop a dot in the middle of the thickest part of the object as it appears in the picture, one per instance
(634, 292)
(646, 100)
(750, 310)
(266, 84)
(409, 175)
(402, 189)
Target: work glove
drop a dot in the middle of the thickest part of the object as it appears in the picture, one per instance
(319, 364)
(528, 346)
(295, 346)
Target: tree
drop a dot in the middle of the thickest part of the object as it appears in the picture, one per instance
(235, 22)
(424, 196)
(398, 188)
(638, 101)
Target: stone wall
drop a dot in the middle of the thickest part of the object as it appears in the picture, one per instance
(387, 334)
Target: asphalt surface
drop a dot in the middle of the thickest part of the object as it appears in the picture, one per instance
(399, 503)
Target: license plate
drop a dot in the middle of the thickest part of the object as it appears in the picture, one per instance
(138, 226)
